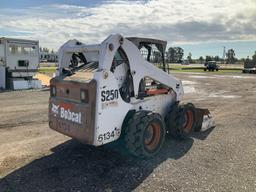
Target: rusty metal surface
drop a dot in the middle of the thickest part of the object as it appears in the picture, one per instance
(68, 98)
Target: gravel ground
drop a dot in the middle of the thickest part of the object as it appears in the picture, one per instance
(35, 158)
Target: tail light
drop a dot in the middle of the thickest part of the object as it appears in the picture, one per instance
(53, 90)
(84, 96)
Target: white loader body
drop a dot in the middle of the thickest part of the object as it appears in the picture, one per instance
(111, 108)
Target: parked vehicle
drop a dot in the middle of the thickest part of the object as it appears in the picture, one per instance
(249, 67)
(211, 66)
(185, 62)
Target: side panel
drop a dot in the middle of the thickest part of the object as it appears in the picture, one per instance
(110, 109)
(159, 104)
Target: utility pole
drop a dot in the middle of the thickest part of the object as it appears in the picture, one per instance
(224, 54)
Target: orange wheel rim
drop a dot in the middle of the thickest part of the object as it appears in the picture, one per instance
(152, 135)
(188, 122)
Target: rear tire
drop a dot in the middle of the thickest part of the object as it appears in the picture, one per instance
(144, 134)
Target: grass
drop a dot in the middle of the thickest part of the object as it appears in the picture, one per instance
(224, 71)
(173, 68)
(191, 68)
(47, 69)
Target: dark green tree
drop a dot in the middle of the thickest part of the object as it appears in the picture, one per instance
(216, 58)
(179, 53)
(201, 60)
(208, 58)
(231, 56)
(189, 57)
(175, 54)
(171, 55)
(254, 57)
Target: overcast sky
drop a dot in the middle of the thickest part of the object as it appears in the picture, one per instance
(199, 26)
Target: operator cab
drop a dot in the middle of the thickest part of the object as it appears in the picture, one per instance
(153, 50)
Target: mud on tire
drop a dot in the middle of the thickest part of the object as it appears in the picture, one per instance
(144, 134)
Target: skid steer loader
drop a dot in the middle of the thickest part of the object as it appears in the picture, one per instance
(110, 91)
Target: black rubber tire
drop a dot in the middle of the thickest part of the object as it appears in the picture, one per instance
(134, 135)
(175, 121)
(189, 108)
(205, 69)
(217, 69)
(172, 121)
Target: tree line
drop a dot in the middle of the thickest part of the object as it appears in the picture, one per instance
(176, 55)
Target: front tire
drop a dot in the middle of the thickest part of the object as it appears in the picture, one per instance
(181, 121)
(144, 134)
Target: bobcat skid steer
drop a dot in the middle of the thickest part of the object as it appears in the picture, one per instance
(108, 91)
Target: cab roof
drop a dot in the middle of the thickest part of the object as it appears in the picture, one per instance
(139, 41)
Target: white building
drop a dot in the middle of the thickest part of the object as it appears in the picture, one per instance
(19, 61)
